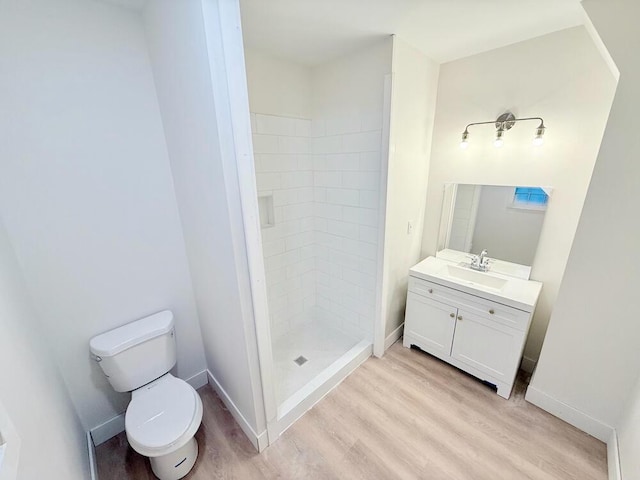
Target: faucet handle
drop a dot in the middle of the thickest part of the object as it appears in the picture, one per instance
(475, 259)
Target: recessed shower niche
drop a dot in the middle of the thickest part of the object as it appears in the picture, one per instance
(265, 208)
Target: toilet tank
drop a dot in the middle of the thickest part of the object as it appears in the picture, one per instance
(136, 353)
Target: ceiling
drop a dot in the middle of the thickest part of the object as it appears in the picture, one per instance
(311, 32)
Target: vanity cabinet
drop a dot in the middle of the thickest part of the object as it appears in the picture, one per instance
(480, 336)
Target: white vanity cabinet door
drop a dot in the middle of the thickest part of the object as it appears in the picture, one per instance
(487, 346)
(431, 323)
(475, 334)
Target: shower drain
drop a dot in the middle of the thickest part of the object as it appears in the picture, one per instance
(300, 360)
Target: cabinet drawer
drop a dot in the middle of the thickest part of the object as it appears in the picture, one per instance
(498, 313)
(493, 311)
(432, 290)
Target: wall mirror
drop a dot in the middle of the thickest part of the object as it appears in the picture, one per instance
(504, 220)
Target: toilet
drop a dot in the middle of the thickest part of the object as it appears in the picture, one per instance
(165, 412)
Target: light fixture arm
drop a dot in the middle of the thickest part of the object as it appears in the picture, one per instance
(503, 123)
(506, 124)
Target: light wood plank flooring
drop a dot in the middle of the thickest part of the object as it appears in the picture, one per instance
(405, 416)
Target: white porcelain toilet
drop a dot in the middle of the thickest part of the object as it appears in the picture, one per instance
(165, 412)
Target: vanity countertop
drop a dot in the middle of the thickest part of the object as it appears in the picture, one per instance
(515, 292)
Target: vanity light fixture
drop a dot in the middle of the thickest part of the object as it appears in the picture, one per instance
(503, 123)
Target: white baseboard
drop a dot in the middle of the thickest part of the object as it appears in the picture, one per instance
(393, 336)
(528, 364)
(199, 380)
(259, 441)
(107, 430)
(263, 441)
(93, 468)
(115, 425)
(569, 414)
(613, 457)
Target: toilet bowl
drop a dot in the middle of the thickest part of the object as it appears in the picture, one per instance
(161, 422)
(165, 412)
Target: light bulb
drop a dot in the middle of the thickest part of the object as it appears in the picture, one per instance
(538, 139)
(465, 140)
(499, 141)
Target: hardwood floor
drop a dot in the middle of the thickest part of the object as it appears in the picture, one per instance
(405, 416)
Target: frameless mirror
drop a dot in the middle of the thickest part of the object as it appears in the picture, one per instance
(504, 220)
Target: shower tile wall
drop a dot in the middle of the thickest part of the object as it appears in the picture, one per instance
(284, 169)
(346, 166)
(321, 254)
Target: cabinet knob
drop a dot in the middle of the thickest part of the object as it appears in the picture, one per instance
(431, 290)
(459, 317)
(452, 315)
(492, 311)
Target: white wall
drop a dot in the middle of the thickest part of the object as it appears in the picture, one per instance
(590, 356)
(353, 84)
(413, 99)
(560, 77)
(509, 233)
(47, 436)
(277, 87)
(186, 47)
(86, 189)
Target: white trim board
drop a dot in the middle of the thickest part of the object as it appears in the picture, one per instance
(93, 467)
(613, 457)
(394, 336)
(382, 283)
(199, 380)
(115, 425)
(569, 414)
(259, 441)
(107, 430)
(223, 32)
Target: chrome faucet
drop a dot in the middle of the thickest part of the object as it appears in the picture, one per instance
(480, 262)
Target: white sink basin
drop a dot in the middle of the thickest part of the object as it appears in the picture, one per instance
(472, 277)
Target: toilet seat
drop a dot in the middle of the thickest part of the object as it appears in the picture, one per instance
(162, 416)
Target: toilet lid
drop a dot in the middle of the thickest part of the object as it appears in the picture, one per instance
(159, 416)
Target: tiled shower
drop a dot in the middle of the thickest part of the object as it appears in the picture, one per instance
(318, 183)
(318, 142)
